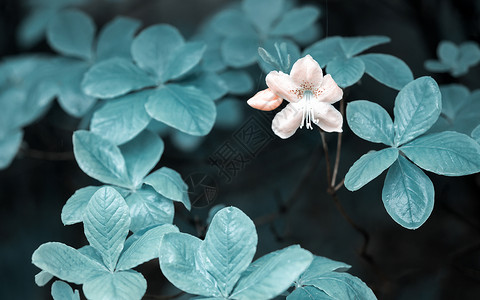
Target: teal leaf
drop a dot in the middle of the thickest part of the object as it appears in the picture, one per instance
(476, 134)
(66, 263)
(454, 97)
(120, 120)
(148, 208)
(209, 83)
(91, 253)
(179, 264)
(272, 274)
(369, 167)
(184, 59)
(354, 45)
(344, 286)
(346, 72)
(370, 121)
(184, 108)
(42, 278)
(9, 145)
(262, 14)
(114, 77)
(72, 211)
(296, 20)
(62, 291)
(100, 159)
(169, 183)
(417, 108)
(186, 142)
(238, 82)
(446, 153)
(469, 54)
(326, 50)
(468, 116)
(408, 194)
(229, 113)
(239, 52)
(319, 266)
(229, 247)
(387, 69)
(289, 49)
(32, 28)
(116, 37)
(71, 33)
(141, 155)
(106, 222)
(153, 48)
(125, 285)
(144, 248)
(436, 66)
(447, 52)
(308, 293)
(232, 22)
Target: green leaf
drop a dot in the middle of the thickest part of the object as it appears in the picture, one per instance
(319, 266)
(239, 52)
(262, 14)
(344, 286)
(445, 153)
(114, 77)
(369, 167)
(179, 264)
(125, 285)
(141, 155)
(106, 221)
(308, 293)
(408, 194)
(116, 37)
(72, 211)
(346, 72)
(238, 82)
(145, 248)
(354, 45)
(184, 108)
(296, 20)
(62, 291)
(229, 247)
(154, 47)
(120, 120)
(417, 108)
(169, 183)
(184, 59)
(148, 208)
(71, 33)
(387, 69)
(272, 274)
(326, 50)
(9, 145)
(370, 121)
(66, 263)
(100, 159)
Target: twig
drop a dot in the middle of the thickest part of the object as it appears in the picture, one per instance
(327, 156)
(339, 147)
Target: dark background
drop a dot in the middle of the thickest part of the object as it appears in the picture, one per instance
(441, 260)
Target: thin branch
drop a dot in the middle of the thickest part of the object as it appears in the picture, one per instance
(327, 156)
(339, 147)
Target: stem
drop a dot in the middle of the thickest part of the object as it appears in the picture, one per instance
(339, 147)
(327, 156)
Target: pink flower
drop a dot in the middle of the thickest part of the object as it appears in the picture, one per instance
(310, 94)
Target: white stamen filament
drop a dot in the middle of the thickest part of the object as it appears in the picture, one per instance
(308, 115)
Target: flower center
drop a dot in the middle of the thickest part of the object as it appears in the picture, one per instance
(306, 104)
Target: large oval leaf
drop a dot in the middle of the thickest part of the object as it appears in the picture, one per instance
(116, 37)
(170, 184)
(344, 286)
(239, 51)
(125, 285)
(387, 69)
(346, 72)
(353, 45)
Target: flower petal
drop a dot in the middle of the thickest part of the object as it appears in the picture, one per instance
(287, 121)
(282, 85)
(329, 118)
(330, 92)
(265, 100)
(307, 71)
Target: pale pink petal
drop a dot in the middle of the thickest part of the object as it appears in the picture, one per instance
(282, 85)
(328, 117)
(265, 100)
(329, 91)
(306, 72)
(287, 121)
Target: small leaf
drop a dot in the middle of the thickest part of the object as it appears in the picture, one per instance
(32, 28)
(72, 211)
(120, 120)
(387, 69)
(469, 54)
(447, 52)
(184, 108)
(178, 261)
(476, 134)
(289, 54)
(100, 159)
(319, 266)
(184, 59)
(125, 285)
(114, 77)
(369, 167)
(62, 291)
(169, 183)
(272, 274)
(445, 153)
(71, 33)
(42, 278)
(9, 146)
(454, 97)
(239, 51)
(229, 247)
(145, 248)
(326, 50)
(436, 66)
(354, 45)
(344, 286)
(66, 263)
(106, 222)
(370, 121)
(238, 82)
(232, 22)
(209, 83)
(296, 20)
(116, 37)
(148, 208)
(262, 14)
(308, 293)
(346, 72)
(408, 194)
(417, 108)
(141, 155)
